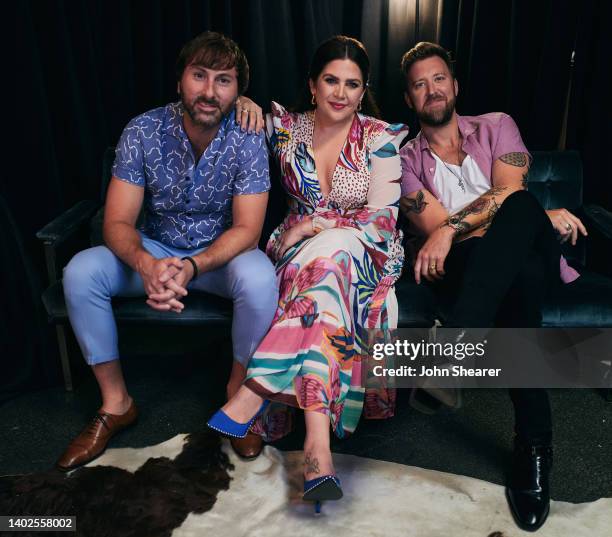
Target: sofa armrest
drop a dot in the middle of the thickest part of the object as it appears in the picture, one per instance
(599, 219)
(598, 222)
(67, 223)
(62, 228)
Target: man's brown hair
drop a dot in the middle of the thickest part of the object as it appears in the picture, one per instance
(213, 50)
(422, 51)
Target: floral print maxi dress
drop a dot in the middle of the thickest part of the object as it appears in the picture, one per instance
(334, 286)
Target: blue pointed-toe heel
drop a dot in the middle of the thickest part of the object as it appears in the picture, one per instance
(322, 489)
(223, 424)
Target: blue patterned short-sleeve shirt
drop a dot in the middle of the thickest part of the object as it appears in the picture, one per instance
(188, 204)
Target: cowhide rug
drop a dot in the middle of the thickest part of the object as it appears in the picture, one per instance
(193, 485)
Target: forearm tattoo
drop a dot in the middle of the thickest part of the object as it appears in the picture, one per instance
(312, 464)
(493, 208)
(485, 203)
(514, 159)
(458, 224)
(494, 191)
(416, 205)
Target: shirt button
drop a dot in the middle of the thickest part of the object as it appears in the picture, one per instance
(187, 178)
(188, 214)
(190, 239)
(187, 200)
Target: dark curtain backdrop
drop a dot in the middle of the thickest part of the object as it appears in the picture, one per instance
(26, 361)
(511, 56)
(590, 115)
(515, 56)
(84, 68)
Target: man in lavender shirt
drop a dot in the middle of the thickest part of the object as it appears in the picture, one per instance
(203, 184)
(483, 235)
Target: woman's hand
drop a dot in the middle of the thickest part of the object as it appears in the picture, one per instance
(566, 224)
(249, 115)
(292, 236)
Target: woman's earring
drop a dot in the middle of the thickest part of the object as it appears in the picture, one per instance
(313, 101)
(359, 107)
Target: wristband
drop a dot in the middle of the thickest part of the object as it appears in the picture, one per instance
(193, 264)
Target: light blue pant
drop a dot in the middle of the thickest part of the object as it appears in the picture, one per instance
(95, 275)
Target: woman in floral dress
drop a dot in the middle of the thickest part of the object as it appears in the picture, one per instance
(338, 255)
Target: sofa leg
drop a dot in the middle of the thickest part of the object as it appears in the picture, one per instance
(63, 349)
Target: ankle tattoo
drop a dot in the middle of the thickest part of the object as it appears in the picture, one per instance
(311, 463)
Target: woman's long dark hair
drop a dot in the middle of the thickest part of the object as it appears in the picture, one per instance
(339, 47)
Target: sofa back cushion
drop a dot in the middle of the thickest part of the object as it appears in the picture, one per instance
(555, 179)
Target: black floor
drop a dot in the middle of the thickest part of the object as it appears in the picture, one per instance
(176, 394)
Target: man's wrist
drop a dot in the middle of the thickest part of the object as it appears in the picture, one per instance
(448, 227)
(202, 262)
(194, 266)
(141, 258)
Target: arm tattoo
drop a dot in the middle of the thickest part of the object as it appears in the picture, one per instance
(495, 190)
(524, 181)
(493, 208)
(457, 220)
(485, 203)
(312, 464)
(416, 205)
(476, 207)
(514, 159)
(457, 223)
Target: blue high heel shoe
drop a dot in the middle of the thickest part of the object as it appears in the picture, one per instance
(222, 423)
(321, 489)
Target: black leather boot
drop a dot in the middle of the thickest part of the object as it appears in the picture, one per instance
(528, 490)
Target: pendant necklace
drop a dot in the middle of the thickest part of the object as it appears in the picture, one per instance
(459, 178)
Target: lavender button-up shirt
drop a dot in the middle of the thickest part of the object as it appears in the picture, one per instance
(485, 138)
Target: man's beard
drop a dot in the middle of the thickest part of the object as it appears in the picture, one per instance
(439, 117)
(201, 118)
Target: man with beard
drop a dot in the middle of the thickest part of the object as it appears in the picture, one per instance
(203, 183)
(488, 248)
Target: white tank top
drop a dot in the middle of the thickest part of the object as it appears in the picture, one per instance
(459, 185)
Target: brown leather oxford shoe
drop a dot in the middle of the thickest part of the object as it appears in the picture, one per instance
(93, 439)
(248, 447)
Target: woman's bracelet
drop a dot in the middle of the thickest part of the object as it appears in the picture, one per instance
(315, 230)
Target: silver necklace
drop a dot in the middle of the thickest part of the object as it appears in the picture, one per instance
(459, 178)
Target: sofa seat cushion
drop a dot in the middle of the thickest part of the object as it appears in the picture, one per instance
(586, 301)
(200, 308)
(416, 303)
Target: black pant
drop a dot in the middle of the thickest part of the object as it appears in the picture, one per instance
(501, 279)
